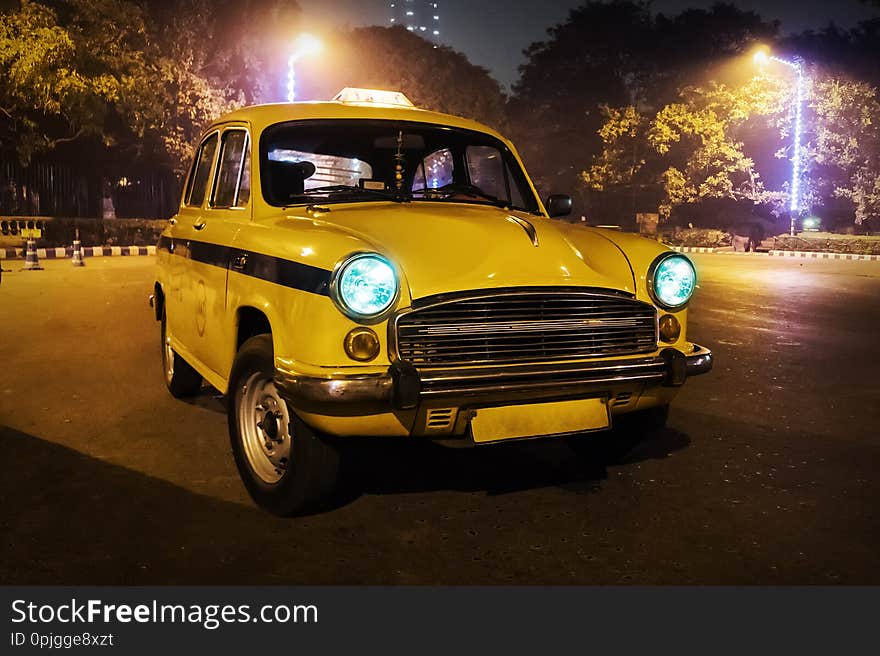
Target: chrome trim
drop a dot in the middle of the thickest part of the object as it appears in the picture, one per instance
(649, 280)
(340, 396)
(503, 293)
(538, 381)
(528, 227)
(363, 394)
(699, 362)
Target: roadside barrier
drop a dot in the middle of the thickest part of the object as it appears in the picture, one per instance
(77, 259)
(87, 251)
(31, 259)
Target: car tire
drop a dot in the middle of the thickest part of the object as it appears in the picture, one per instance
(181, 379)
(629, 430)
(286, 466)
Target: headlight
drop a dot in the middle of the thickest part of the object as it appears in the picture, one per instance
(364, 287)
(671, 280)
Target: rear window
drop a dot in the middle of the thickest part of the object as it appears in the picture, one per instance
(233, 157)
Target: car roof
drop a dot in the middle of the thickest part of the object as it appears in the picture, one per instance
(262, 116)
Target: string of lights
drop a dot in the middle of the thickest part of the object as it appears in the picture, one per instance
(796, 64)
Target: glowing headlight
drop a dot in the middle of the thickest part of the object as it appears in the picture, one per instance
(671, 280)
(364, 286)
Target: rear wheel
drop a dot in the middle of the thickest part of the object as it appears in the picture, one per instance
(287, 467)
(613, 446)
(180, 378)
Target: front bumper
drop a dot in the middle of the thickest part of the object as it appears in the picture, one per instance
(403, 387)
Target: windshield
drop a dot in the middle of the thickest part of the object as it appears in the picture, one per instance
(347, 161)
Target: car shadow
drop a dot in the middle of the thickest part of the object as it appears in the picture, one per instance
(208, 398)
(67, 518)
(394, 465)
(389, 466)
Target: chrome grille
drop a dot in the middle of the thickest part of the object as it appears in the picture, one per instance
(498, 327)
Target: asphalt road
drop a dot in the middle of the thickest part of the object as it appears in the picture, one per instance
(767, 474)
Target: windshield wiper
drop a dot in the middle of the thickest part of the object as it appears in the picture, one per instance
(351, 189)
(461, 188)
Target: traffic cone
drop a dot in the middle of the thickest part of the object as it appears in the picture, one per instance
(77, 259)
(31, 261)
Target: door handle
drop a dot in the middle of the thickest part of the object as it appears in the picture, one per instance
(239, 261)
(199, 223)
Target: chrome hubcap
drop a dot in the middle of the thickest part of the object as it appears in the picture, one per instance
(264, 427)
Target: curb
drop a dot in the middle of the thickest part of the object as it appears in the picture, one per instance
(810, 255)
(825, 256)
(88, 251)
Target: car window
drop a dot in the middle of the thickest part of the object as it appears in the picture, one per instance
(229, 172)
(199, 180)
(516, 191)
(436, 170)
(486, 170)
(244, 187)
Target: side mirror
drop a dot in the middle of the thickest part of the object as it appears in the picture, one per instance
(558, 205)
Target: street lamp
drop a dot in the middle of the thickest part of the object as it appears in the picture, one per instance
(797, 65)
(305, 46)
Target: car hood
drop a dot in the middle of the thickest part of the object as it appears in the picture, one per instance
(442, 247)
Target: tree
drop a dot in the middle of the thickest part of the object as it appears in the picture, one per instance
(847, 141)
(615, 54)
(236, 45)
(435, 78)
(691, 150)
(68, 71)
(141, 79)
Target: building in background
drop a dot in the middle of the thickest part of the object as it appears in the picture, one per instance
(419, 16)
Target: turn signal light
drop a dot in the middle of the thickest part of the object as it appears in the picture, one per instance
(361, 344)
(670, 329)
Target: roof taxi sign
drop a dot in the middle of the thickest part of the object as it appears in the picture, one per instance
(373, 97)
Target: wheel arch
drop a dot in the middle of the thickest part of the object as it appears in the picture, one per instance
(158, 300)
(250, 321)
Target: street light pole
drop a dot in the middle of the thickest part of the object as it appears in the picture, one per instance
(797, 65)
(305, 46)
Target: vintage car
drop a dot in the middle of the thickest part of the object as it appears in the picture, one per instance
(362, 267)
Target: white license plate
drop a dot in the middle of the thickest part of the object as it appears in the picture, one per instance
(539, 419)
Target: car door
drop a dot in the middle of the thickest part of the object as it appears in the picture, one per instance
(181, 301)
(206, 227)
(227, 210)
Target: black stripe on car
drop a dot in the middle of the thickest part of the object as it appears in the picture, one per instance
(288, 273)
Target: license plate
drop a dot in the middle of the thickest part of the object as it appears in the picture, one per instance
(539, 419)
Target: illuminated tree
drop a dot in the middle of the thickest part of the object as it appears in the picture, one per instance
(847, 142)
(69, 72)
(614, 54)
(691, 149)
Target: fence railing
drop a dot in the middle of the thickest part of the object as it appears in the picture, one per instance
(49, 188)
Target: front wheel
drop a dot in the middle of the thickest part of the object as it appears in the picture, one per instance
(613, 446)
(287, 468)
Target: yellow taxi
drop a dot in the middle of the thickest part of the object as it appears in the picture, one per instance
(362, 267)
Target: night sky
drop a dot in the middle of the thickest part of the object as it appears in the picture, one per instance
(493, 33)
